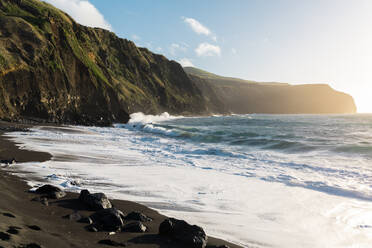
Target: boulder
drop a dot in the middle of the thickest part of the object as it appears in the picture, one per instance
(137, 216)
(92, 228)
(86, 220)
(184, 233)
(50, 191)
(135, 227)
(109, 219)
(95, 201)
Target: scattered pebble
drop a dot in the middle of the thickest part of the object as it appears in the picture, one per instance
(32, 245)
(12, 230)
(110, 243)
(4, 236)
(43, 200)
(73, 217)
(9, 215)
(34, 227)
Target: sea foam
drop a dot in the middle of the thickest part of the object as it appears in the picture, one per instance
(253, 194)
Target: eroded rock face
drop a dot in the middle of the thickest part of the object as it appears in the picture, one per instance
(96, 201)
(53, 69)
(180, 231)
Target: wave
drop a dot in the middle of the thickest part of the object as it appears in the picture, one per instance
(141, 118)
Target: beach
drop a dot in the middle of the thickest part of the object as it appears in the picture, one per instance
(45, 226)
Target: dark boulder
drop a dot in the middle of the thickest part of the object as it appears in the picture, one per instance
(180, 231)
(86, 220)
(92, 228)
(137, 216)
(135, 227)
(95, 201)
(50, 191)
(109, 219)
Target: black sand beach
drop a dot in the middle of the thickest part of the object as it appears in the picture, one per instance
(27, 223)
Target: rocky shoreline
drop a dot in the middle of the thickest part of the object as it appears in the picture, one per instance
(49, 217)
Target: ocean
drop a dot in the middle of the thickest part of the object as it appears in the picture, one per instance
(256, 180)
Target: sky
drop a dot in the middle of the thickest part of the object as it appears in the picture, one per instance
(292, 41)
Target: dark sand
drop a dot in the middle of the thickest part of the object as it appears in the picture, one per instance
(56, 231)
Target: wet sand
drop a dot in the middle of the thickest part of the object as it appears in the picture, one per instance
(17, 210)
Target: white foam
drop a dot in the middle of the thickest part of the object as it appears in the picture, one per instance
(216, 190)
(144, 119)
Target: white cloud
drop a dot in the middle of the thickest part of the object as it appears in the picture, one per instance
(233, 51)
(186, 62)
(83, 12)
(206, 49)
(199, 28)
(174, 48)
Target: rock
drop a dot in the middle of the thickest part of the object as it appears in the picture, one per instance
(110, 242)
(92, 228)
(50, 191)
(109, 219)
(42, 200)
(180, 231)
(13, 230)
(95, 201)
(135, 227)
(34, 227)
(32, 245)
(8, 161)
(86, 220)
(137, 216)
(74, 217)
(4, 236)
(9, 215)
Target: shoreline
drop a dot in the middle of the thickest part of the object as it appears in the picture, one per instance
(56, 231)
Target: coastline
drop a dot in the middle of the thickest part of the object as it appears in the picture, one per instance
(55, 230)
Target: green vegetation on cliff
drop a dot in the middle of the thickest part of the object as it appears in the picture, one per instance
(54, 69)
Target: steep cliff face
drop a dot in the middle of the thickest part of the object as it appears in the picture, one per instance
(54, 69)
(232, 95)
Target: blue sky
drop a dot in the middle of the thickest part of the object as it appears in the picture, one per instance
(317, 41)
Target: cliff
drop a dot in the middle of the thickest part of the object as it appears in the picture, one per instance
(53, 69)
(232, 95)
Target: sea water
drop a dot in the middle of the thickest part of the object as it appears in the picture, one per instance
(255, 180)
